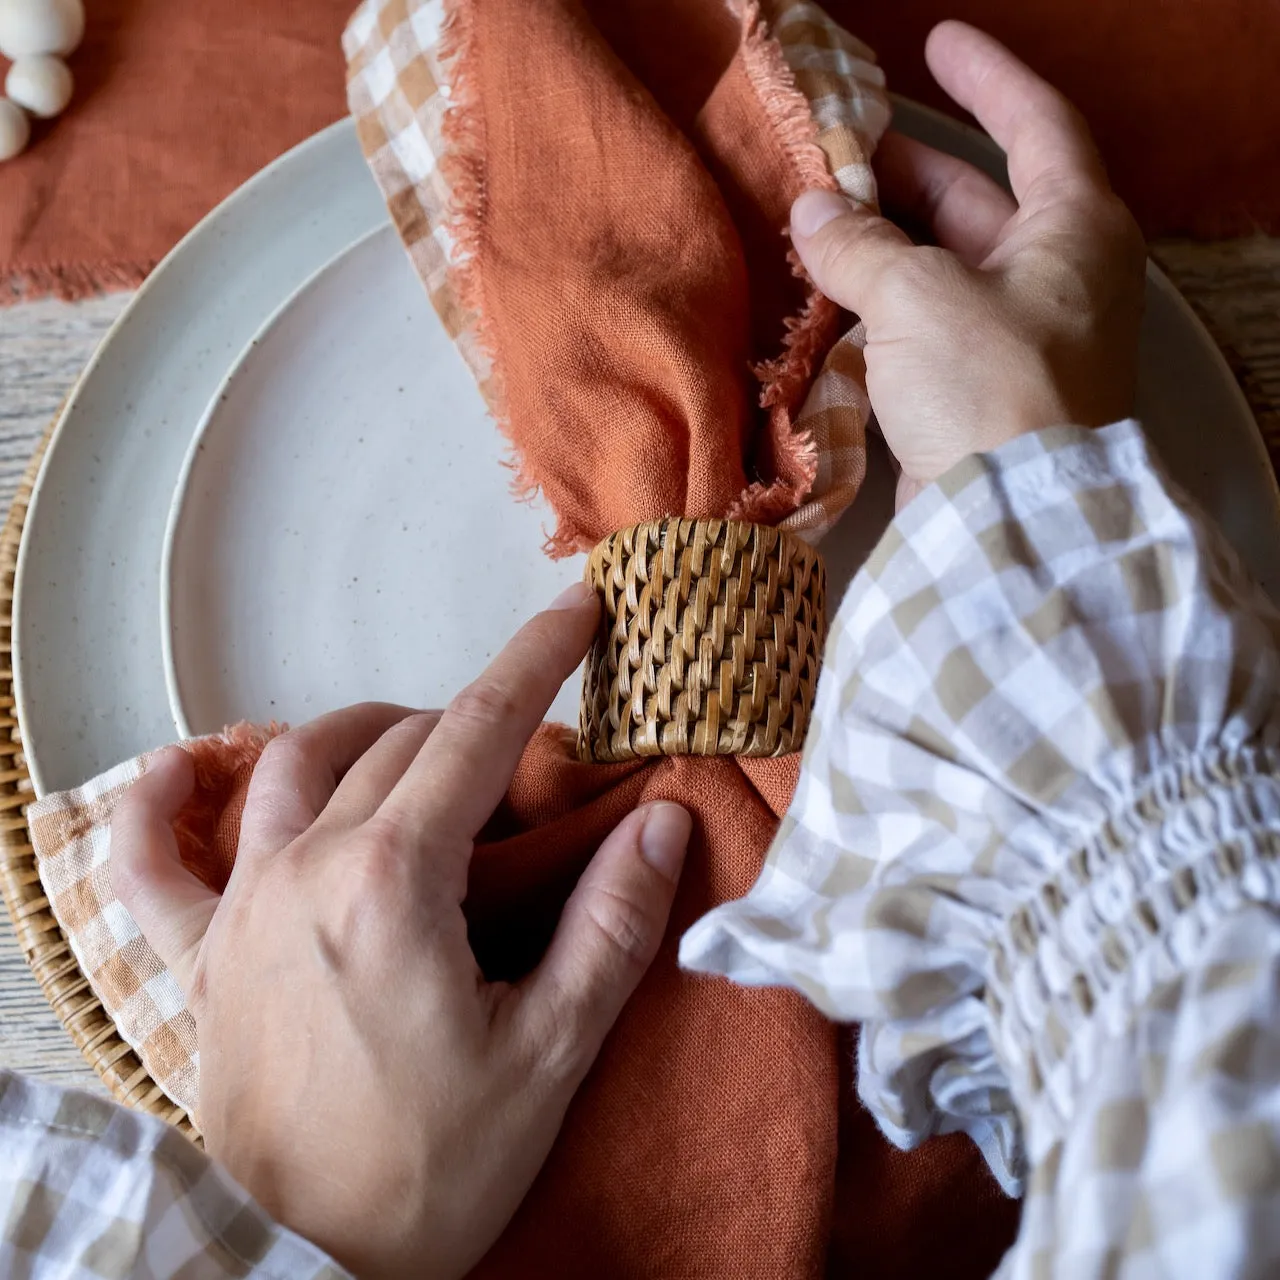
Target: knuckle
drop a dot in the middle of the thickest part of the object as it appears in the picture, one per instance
(125, 821)
(419, 722)
(969, 189)
(1070, 296)
(125, 866)
(566, 1057)
(1072, 119)
(843, 243)
(556, 1044)
(624, 923)
(130, 849)
(1121, 229)
(414, 729)
(1050, 106)
(926, 276)
(485, 702)
(197, 992)
(377, 857)
(283, 754)
(927, 266)
(833, 252)
(368, 892)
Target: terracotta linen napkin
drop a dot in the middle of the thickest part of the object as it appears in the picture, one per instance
(594, 196)
(834, 97)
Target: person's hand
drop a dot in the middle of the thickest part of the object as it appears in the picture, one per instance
(1023, 315)
(357, 1074)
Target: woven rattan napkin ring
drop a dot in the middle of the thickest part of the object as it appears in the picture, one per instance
(710, 641)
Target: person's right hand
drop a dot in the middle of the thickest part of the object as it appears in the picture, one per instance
(358, 1075)
(1024, 315)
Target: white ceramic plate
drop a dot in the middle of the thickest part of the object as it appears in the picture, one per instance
(87, 655)
(88, 666)
(344, 528)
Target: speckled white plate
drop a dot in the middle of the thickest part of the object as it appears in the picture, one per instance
(344, 527)
(88, 667)
(87, 661)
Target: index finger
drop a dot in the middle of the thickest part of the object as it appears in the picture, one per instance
(1045, 138)
(299, 771)
(462, 771)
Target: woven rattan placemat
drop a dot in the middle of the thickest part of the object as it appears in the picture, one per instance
(43, 943)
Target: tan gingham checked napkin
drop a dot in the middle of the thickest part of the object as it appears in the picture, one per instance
(71, 834)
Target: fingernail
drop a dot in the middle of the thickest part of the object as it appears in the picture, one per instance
(573, 597)
(813, 210)
(664, 838)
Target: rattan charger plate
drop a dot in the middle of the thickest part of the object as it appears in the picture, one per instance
(43, 943)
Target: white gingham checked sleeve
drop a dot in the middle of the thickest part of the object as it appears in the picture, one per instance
(1034, 852)
(91, 1191)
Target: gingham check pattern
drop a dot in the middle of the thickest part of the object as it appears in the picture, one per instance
(398, 92)
(90, 1190)
(1034, 851)
(71, 834)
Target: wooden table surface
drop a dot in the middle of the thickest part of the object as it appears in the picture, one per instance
(44, 346)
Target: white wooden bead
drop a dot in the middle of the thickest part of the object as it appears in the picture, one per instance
(29, 28)
(41, 86)
(15, 129)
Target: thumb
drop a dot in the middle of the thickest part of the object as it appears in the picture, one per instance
(171, 907)
(846, 248)
(607, 937)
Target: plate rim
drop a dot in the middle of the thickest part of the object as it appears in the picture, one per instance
(263, 178)
(177, 500)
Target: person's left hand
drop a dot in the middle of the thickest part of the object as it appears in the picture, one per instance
(357, 1074)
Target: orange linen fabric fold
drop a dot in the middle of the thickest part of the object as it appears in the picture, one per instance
(621, 215)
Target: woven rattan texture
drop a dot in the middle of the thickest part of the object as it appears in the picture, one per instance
(47, 950)
(709, 644)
